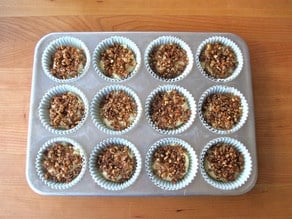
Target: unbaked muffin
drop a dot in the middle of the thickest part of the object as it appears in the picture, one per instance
(170, 162)
(118, 110)
(66, 110)
(115, 109)
(63, 109)
(117, 61)
(168, 60)
(116, 163)
(67, 62)
(222, 110)
(169, 109)
(61, 163)
(223, 162)
(218, 60)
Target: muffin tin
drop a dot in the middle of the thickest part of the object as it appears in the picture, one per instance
(142, 135)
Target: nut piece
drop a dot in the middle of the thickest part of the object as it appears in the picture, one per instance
(168, 60)
(116, 163)
(170, 162)
(218, 60)
(61, 163)
(67, 62)
(118, 110)
(66, 111)
(223, 162)
(117, 61)
(222, 111)
(169, 110)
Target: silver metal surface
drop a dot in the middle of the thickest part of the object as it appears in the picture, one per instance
(143, 136)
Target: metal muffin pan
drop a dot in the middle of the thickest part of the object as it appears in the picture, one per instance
(142, 135)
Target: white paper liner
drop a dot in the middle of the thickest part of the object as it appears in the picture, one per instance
(227, 42)
(95, 109)
(97, 176)
(244, 175)
(191, 172)
(39, 168)
(109, 42)
(166, 40)
(219, 89)
(51, 49)
(191, 103)
(44, 112)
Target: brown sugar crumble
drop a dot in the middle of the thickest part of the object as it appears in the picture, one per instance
(116, 163)
(168, 60)
(66, 111)
(169, 110)
(118, 110)
(61, 163)
(218, 60)
(223, 162)
(170, 162)
(222, 111)
(117, 61)
(67, 62)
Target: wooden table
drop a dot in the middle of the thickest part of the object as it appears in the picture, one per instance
(266, 26)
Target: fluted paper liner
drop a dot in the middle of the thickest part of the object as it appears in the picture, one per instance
(192, 167)
(220, 89)
(44, 112)
(52, 48)
(190, 101)
(97, 176)
(227, 42)
(166, 40)
(95, 109)
(40, 172)
(243, 176)
(109, 42)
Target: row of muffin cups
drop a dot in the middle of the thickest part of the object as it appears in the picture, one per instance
(166, 110)
(102, 176)
(47, 60)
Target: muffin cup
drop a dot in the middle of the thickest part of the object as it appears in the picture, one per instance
(95, 109)
(97, 176)
(166, 40)
(44, 113)
(109, 42)
(227, 42)
(39, 168)
(192, 168)
(220, 89)
(191, 104)
(244, 175)
(51, 49)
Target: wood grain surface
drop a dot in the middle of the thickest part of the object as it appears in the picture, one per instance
(266, 26)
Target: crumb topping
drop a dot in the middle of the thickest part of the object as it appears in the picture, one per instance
(168, 60)
(218, 60)
(116, 163)
(67, 62)
(61, 163)
(66, 111)
(117, 61)
(169, 110)
(224, 162)
(170, 162)
(118, 110)
(222, 111)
